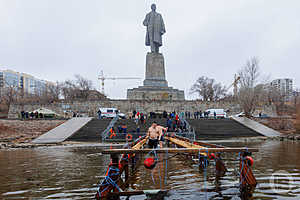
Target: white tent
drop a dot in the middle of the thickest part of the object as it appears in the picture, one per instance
(45, 111)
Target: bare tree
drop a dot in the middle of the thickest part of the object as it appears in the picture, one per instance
(10, 93)
(219, 91)
(297, 123)
(274, 95)
(76, 89)
(54, 91)
(84, 85)
(251, 92)
(208, 89)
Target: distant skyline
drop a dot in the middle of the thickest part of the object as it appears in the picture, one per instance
(56, 39)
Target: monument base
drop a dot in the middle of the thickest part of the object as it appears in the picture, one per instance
(155, 70)
(155, 84)
(155, 93)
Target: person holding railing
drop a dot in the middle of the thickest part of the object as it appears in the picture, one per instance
(162, 131)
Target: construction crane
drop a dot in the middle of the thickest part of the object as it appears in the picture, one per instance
(102, 78)
(235, 84)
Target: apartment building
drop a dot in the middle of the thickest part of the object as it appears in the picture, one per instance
(284, 86)
(28, 83)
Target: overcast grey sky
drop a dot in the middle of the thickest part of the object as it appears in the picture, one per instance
(55, 39)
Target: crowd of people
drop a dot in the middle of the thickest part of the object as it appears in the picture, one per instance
(197, 114)
(187, 115)
(174, 120)
(31, 115)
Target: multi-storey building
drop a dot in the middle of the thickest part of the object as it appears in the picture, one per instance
(28, 83)
(284, 86)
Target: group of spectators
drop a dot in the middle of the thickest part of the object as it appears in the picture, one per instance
(139, 118)
(31, 115)
(122, 128)
(197, 114)
(174, 124)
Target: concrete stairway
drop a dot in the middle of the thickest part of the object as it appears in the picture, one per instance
(91, 132)
(131, 129)
(131, 126)
(220, 129)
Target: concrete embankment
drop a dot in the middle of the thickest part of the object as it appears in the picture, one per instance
(256, 126)
(63, 131)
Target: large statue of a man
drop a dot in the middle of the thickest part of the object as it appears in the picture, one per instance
(155, 29)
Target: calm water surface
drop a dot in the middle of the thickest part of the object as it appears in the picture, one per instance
(73, 172)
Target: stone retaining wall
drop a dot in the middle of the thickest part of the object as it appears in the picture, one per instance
(90, 108)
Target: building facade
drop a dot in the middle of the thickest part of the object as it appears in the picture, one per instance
(284, 86)
(25, 82)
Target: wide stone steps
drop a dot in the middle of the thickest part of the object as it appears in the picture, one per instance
(131, 132)
(220, 129)
(91, 132)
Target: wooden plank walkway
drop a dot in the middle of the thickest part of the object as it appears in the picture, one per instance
(62, 132)
(179, 150)
(258, 127)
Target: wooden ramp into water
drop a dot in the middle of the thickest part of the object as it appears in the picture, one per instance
(258, 127)
(62, 132)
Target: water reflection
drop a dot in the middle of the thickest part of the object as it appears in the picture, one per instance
(72, 172)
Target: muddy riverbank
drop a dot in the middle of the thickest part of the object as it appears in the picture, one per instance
(24, 131)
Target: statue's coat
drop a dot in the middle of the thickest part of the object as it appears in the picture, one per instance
(155, 28)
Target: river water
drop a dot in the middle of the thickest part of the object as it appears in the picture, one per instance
(74, 171)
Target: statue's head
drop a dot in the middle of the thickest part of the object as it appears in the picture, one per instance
(153, 7)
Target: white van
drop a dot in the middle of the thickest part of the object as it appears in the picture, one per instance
(111, 113)
(220, 113)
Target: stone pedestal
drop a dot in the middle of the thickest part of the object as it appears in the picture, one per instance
(155, 93)
(155, 70)
(155, 84)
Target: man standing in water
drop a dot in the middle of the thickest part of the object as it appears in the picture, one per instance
(153, 135)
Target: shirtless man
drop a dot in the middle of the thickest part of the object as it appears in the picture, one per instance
(161, 135)
(153, 135)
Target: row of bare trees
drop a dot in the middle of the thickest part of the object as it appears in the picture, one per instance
(208, 89)
(79, 88)
(254, 90)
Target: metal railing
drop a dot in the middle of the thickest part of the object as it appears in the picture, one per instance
(190, 129)
(104, 134)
